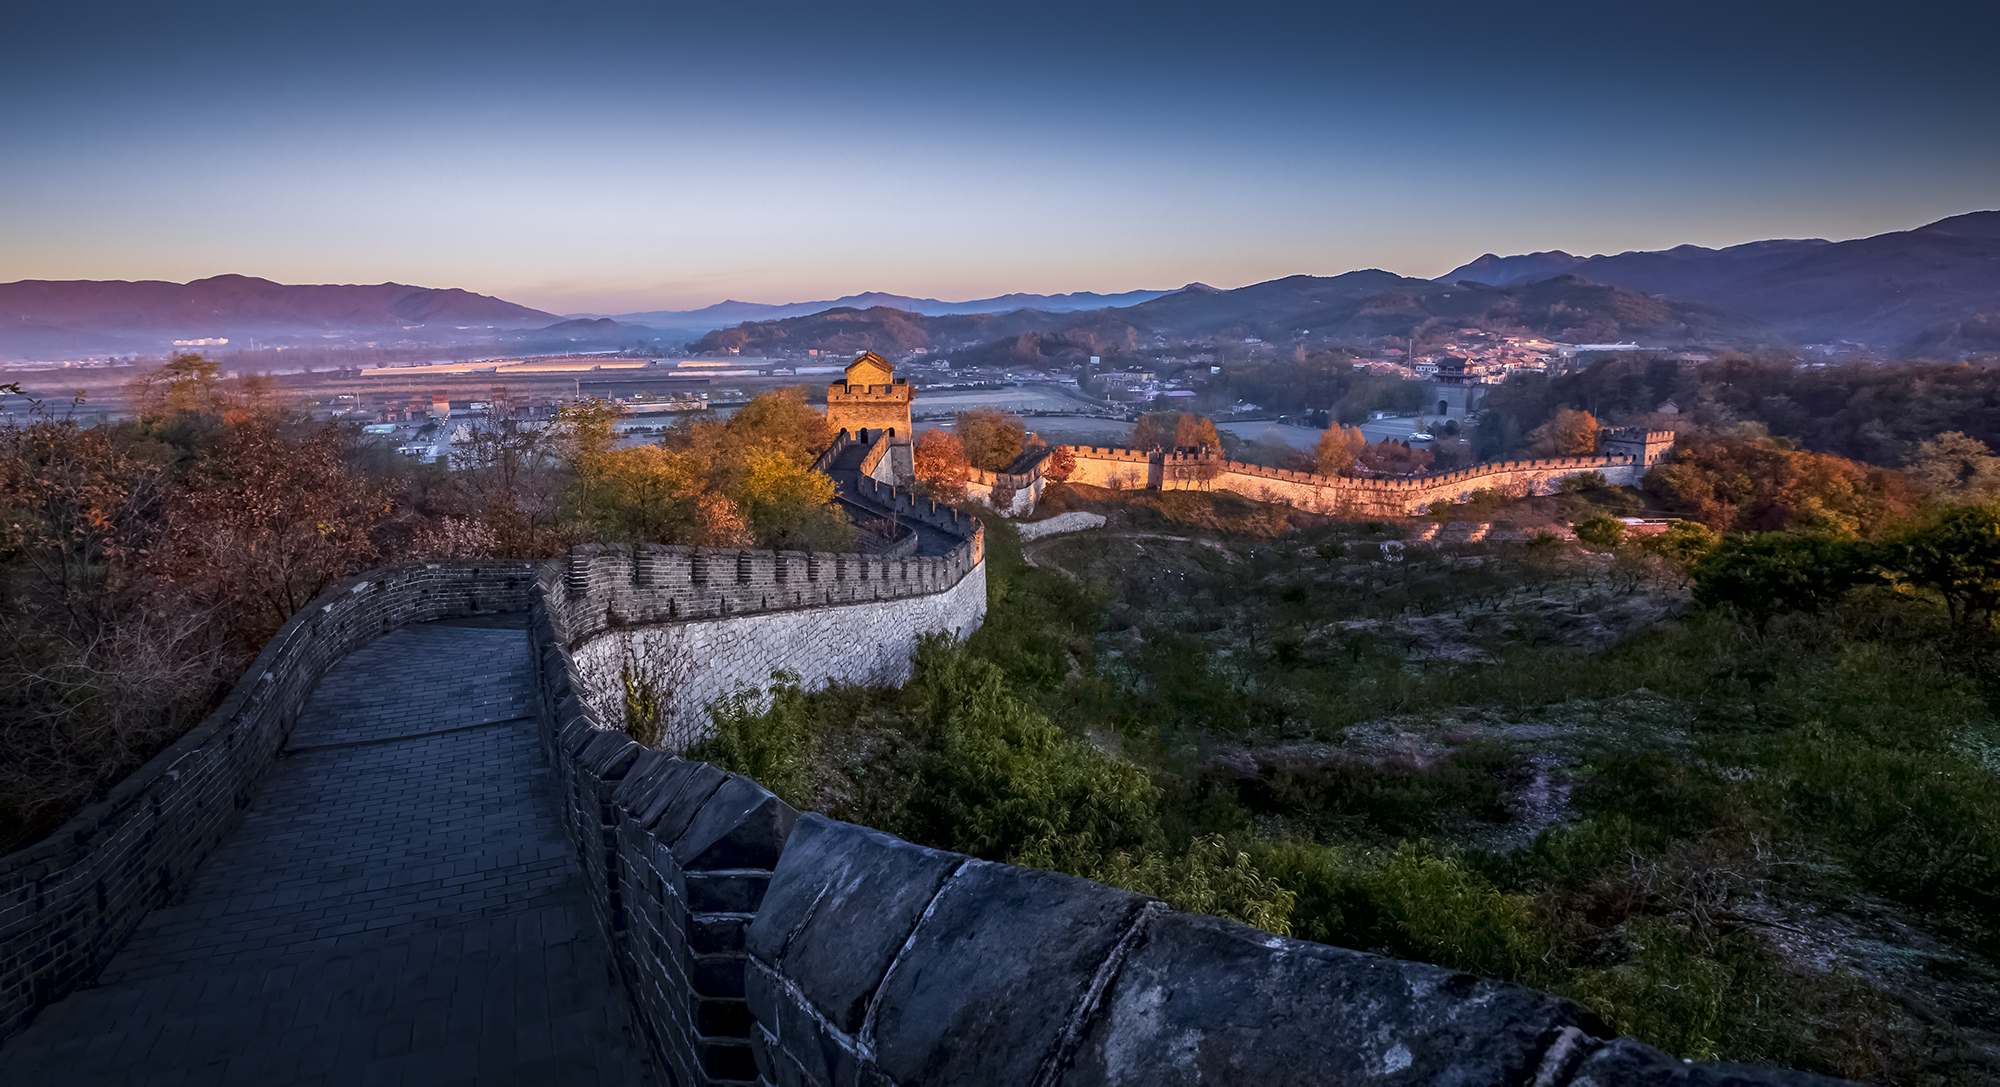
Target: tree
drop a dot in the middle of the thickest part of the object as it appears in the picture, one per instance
(1172, 430)
(1764, 574)
(1060, 465)
(1339, 450)
(1955, 467)
(265, 522)
(992, 438)
(792, 508)
(1956, 554)
(1683, 543)
(1761, 484)
(652, 495)
(1569, 434)
(1603, 530)
(941, 466)
(187, 383)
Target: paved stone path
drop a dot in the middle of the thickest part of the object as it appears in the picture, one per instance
(399, 906)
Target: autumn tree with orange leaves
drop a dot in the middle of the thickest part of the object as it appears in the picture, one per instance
(941, 466)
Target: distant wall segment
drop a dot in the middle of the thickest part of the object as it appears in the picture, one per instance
(1129, 469)
(69, 901)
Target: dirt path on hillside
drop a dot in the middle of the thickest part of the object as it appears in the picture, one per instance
(1029, 549)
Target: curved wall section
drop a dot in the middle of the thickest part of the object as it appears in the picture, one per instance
(69, 901)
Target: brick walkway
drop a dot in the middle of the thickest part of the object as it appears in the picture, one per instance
(398, 907)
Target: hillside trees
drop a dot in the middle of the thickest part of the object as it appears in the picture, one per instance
(1956, 467)
(1763, 485)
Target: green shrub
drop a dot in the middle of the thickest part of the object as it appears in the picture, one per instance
(773, 745)
(1437, 911)
(1602, 530)
(1209, 878)
(1005, 784)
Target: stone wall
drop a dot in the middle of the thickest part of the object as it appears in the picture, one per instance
(867, 643)
(1122, 469)
(69, 901)
(1023, 478)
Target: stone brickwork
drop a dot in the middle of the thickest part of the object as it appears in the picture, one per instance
(868, 643)
(676, 854)
(68, 902)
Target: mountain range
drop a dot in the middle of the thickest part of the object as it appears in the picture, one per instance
(1354, 308)
(1933, 291)
(724, 314)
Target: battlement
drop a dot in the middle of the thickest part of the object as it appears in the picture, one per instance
(611, 586)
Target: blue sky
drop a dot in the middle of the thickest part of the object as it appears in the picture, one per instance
(621, 156)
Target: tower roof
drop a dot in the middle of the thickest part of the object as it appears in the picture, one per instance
(870, 369)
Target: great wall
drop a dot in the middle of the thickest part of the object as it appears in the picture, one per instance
(750, 943)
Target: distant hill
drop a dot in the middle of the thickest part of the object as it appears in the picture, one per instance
(1933, 290)
(40, 317)
(1499, 271)
(246, 300)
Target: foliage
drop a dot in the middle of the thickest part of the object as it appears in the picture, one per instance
(1683, 543)
(941, 466)
(773, 742)
(264, 522)
(1339, 450)
(1762, 485)
(992, 438)
(648, 494)
(1956, 554)
(792, 508)
(1209, 877)
(1764, 575)
(1955, 467)
(1060, 465)
(712, 484)
(1174, 430)
(1601, 530)
(1569, 434)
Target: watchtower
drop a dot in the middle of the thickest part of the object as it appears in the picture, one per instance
(1648, 447)
(1453, 392)
(871, 397)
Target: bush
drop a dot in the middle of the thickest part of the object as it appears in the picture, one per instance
(1774, 572)
(1603, 530)
(774, 745)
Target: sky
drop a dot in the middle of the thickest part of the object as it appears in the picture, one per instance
(602, 156)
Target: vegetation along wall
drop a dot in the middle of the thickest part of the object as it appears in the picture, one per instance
(69, 901)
